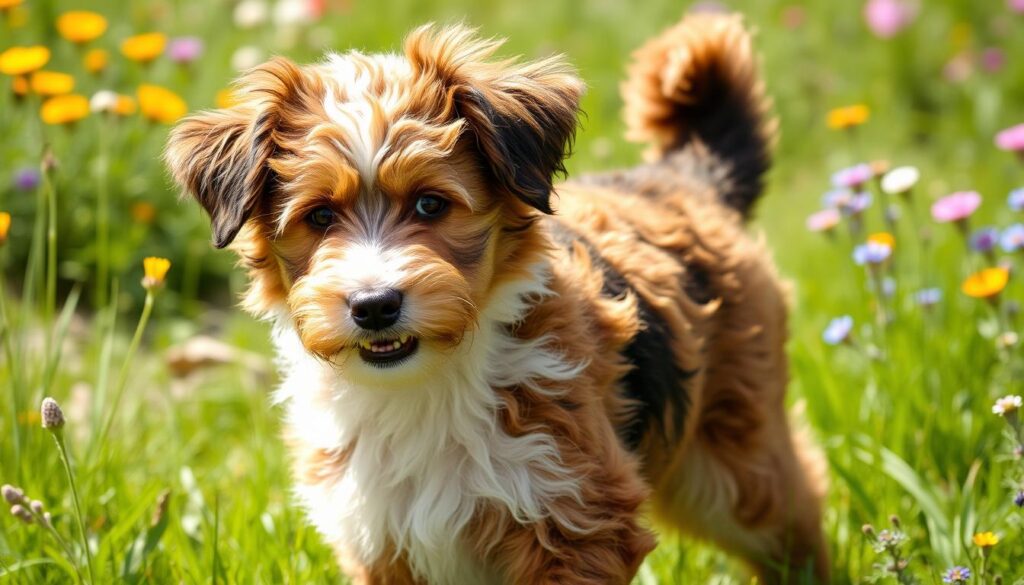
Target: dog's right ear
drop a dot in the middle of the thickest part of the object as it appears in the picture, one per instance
(221, 157)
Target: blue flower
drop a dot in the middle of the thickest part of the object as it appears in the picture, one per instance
(1018, 500)
(26, 179)
(928, 297)
(1012, 239)
(853, 177)
(871, 253)
(957, 575)
(984, 239)
(1016, 199)
(857, 203)
(838, 330)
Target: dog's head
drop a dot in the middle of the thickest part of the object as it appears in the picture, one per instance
(380, 199)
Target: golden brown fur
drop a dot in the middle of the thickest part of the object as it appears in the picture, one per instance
(366, 137)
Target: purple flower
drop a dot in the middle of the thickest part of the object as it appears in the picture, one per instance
(823, 221)
(1015, 5)
(854, 177)
(1018, 500)
(984, 239)
(956, 207)
(836, 199)
(928, 297)
(1012, 239)
(857, 204)
(838, 330)
(886, 18)
(957, 575)
(27, 179)
(1016, 199)
(185, 50)
(871, 253)
(993, 59)
(1011, 139)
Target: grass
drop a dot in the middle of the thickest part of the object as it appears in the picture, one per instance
(191, 484)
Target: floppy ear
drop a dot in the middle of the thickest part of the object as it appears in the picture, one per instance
(221, 157)
(523, 117)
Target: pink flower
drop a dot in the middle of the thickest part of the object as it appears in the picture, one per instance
(185, 49)
(886, 18)
(1015, 5)
(956, 207)
(993, 59)
(823, 221)
(1011, 139)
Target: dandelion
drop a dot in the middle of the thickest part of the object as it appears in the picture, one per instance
(27, 179)
(848, 117)
(145, 47)
(886, 18)
(185, 50)
(957, 576)
(5, 226)
(1011, 139)
(160, 104)
(956, 207)
(81, 26)
(985, 540)
(23, 60)
(984, 240)
(1007, 405)
(109, 102)
(853, 178)
(64, 109)
(1016, 199)
(95, 61)
(928, 297)
(838, 330)
(871, 253)
(250, 13)
(51, 83)
(986, 284)
(1012, 239)
(155, 270)
(901, 180)
(823, 221)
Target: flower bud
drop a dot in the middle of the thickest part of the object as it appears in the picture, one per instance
(12, 494)
(53, 416)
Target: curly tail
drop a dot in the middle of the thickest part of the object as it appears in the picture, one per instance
(696, 90)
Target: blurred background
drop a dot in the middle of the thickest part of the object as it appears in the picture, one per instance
(185, 479)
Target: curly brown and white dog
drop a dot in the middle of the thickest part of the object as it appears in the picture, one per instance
(489, 379)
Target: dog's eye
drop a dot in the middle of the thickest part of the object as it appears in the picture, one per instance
(321, 217)
(430, 206)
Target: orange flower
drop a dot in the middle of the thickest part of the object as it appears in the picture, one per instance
(20, 86)
(848, 117)
(8, 4)
(23, 60)
(5, 226)
(96, 60)
(883, 238)
(64, 109)
(50, 83)
(226, 98)
(160, 104)
(81, 26)
(986, 284)
(145, 47)
(155, 270)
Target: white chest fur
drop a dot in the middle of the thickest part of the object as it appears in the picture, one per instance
(423, 457)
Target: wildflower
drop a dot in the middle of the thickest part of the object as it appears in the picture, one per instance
(889, 540)
(184, 50)
(1011, 139)
(12, 494)
(854, 177)
(1007, 405)
(1018, 500)
(1007, 339)
(848, 117)
(993, 59)
(986, 284)
(6, 5)
(65, 109)
(5, 226)
(886, 18)
(95, 61)
(1012, 239)
(293, 12)
(23, 60)
(957, 576)
(247, 57)
(1015, 5)
(823, 221)
(928, 297)
(226, 98)
(53, 416)
(985, 540)
(155, 270)
(19, 512)
(1016, 199)
(109, 102)
(984, 239)
(883, 238)
(857, 203)
(871, 253)
(143, 212)
(836, 198)
(51, 83)
(27, 179)
(250, 13)
(888, 287)
(81, 26)
(160, 104)
(900, 180)
(956, 207)
(145, 47)
(959, 68)
(838, 330)
(20, 86)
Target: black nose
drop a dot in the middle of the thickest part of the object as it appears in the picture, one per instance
(375, 308)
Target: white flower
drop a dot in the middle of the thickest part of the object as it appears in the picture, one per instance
(104, 101)
(250, 13)
(1007, 405)
(900, 180)
(246, 58)
(293, 12)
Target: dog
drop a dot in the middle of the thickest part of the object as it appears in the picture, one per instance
(487, 379)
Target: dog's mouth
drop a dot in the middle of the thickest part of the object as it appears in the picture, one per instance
(387, 352)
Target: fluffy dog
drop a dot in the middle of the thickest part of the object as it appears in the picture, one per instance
(487, 381)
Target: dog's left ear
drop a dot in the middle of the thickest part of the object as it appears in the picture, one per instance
(523, 116)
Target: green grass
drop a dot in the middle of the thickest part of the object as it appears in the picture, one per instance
(910, 434)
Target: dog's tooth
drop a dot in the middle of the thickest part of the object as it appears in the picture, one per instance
(403, 338)
(396, 345)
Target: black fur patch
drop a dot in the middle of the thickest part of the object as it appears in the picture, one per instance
(656, 381)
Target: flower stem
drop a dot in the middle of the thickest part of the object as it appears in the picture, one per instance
(15, 381)
(51, 247)
(102, 222)
(58, 436)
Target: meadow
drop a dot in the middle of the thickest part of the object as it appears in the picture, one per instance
(905, 346)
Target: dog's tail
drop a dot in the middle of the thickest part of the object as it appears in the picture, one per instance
(695, 90)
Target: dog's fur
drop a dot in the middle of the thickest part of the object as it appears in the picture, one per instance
(627, 349)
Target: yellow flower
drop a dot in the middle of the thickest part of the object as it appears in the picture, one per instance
(155, 272)
(848, 117)
(20, 86)
(883, 238)
(143, 212)
(986, 539)
(65, 109)
(160, 104)
(29, 418)
(5, 226)
(986, 284)
(226, 98)
(8, 4)
(50, 83)
(81, 26)
(145, 47)
(23, 60)
(96, 60)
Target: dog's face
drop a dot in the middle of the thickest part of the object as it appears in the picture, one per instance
(379, 199)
